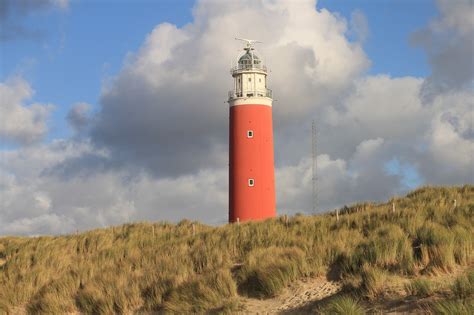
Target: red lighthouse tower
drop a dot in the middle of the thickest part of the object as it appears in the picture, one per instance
(251, 168)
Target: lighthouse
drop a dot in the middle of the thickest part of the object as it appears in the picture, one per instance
(251, 164)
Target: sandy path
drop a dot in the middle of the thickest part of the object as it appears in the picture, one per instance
(298, 295)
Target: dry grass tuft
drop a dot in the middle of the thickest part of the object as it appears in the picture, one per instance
(267, 271)
(451, 307)
(343, 305)
(420, 287)
(463, 286)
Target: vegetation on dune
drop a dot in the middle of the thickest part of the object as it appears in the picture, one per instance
(420, 287)
(451, 307)
(463, 286)
(268, 270)
(461, 298)
(190, 267)
(343, 305)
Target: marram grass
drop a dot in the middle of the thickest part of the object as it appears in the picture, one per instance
(463, 286)
(190, 267)
(420, 287)
(343, 305)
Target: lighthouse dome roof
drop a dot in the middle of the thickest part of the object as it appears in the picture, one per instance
(247, 58)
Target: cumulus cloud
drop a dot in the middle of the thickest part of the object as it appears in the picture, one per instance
(35, 201)
(448, 155)
(339, 181)
(78, 117)
(43, 224)
(169, 98)
(157, 148)
(449, 43)
(20, 123)
(11, 12)
(38, 202)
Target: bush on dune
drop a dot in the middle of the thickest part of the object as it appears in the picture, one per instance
(373, 282)
(463, 286)
(343, 305)
(451, 307)
(437, 246)
(267, 271)
(214, 291)
(419, 287)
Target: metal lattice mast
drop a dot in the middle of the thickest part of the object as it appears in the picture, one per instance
(314, 155)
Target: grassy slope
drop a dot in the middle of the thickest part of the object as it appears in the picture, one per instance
(166, 267)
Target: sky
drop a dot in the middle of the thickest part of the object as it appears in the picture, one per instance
(114, 111)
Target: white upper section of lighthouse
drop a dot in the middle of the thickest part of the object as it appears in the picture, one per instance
(250, 79)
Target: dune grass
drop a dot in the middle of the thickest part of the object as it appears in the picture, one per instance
(268, 270)
(461, 299)
(190, 267)
(420, 287)
(343, 305)
(451, 307)
(463, 286)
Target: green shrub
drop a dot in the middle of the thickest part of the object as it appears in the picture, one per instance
(463, 245)
(90, 301)
(214, 291)
(463, 286)
(453, 307)
(154, 290)
(268, 271)
(206, 258)
(2, 251)
(110, 292)
(56, 297)
(373, 282)
(343, 305)
(388, 248)
(436, 245)
(420, 287)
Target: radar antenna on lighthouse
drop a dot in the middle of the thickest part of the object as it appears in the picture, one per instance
(249, 42)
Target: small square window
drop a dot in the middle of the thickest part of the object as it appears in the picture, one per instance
(249, 133)
(250, 79)
(251, 182)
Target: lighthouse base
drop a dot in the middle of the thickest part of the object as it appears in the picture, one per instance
(251, 169)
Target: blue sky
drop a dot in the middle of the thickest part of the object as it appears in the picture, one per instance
(391, 23)
(82, 46)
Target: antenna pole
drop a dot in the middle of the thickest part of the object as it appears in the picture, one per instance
(314, 166)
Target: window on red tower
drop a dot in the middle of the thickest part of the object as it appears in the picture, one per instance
(251, 182)
(249, 133)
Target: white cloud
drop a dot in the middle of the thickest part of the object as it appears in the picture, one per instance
(169, 98)
(37, 200)
(43, 224)
(449, 43)
(449, 152)
(21, 123)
